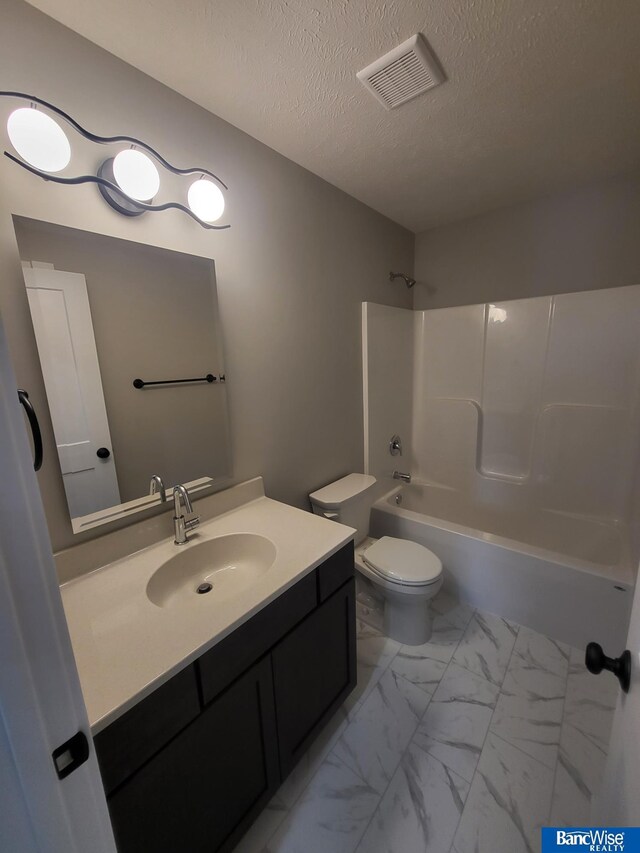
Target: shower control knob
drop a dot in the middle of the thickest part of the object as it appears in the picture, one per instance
(395, 445)
(596, 660)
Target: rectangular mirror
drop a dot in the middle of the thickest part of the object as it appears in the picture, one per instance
(130, 349)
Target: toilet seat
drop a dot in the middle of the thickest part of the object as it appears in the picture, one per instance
(403, 562)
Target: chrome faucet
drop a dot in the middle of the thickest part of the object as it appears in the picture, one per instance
(398, 475)
(180, 524)
(156, 487)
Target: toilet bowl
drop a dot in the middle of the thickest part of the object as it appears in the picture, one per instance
(407, 592)
(404, 574)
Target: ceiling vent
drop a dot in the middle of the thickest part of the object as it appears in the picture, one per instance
(404, 72)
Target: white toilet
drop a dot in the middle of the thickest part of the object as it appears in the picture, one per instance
(404, 574)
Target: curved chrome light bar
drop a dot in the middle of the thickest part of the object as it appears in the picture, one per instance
(102, 182)
(95, 179)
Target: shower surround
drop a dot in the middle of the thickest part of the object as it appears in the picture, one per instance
(520, 423)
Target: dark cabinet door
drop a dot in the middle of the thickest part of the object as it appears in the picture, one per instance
(314, 670)
(203, 789)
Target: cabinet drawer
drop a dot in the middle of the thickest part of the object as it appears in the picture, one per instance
(335, 571)
(222, 664)
(130, 741)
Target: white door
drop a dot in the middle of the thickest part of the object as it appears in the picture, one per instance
(41, 705)
(66, 344)
(618, 803)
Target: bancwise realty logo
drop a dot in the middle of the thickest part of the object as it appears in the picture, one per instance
(591, 840)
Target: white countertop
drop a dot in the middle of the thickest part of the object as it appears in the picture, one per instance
(125, 646)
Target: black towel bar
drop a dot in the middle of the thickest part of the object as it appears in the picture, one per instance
(140, 383)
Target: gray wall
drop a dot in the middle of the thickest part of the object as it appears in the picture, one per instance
(292, 272)
(154, 315)
(583, 240)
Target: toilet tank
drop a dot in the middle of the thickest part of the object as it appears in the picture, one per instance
(348, 501)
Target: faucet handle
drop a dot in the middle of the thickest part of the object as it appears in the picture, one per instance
(395, 445)
(192, 523)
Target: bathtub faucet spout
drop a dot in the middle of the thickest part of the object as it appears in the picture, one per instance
(398, 475)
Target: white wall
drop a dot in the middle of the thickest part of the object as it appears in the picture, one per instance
(387, 340)
(538, 396)
(580, 240)
(292, 272)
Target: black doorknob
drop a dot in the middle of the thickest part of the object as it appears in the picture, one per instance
(103, 453)
(596, 660)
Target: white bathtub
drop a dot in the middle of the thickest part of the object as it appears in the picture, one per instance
(565, 576)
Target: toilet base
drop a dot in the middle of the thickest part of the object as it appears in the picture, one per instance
(407, 619)
(369, 604)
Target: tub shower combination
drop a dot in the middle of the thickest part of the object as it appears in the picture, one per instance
(520, 424)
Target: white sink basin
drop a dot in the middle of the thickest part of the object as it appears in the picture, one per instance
(210, 572)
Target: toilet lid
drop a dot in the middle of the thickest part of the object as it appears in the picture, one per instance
(403, 561)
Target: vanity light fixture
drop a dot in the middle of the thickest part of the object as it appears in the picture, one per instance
(39, 140)
(129, 180)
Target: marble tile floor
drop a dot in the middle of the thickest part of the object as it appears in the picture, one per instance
(468, 744)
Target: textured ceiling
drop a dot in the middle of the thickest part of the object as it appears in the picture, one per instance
(540, 94)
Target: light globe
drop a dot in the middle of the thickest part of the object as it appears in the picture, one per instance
(38, 139)
(136, 175)
(206, 200)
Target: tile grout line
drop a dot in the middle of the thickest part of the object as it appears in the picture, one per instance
(453, 834)
(487, 732)
(356, 773)
(397, 767)
(513, 746)
(406, 680)
(521, 751)
(451, 661)
(562, 722)
(463, 631)
(499, 686)
(473, 672)
(418, 724)
(507, 743)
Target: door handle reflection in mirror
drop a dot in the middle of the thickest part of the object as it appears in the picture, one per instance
(596, 660)
(103, 453)
(35, 428)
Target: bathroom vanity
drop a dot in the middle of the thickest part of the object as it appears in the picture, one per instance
(194, 734)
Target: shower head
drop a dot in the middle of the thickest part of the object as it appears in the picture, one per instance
(407, 279)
